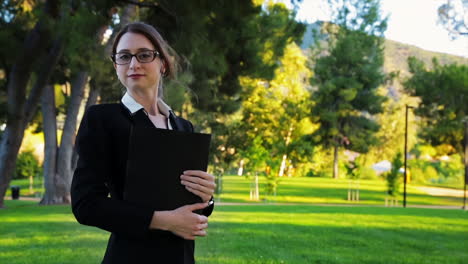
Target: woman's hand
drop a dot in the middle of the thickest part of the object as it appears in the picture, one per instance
(182, 221)
(199, 183)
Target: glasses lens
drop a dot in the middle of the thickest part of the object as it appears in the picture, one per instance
(145, 56)
(122, 58)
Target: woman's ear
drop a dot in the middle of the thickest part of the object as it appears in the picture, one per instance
(163, 68)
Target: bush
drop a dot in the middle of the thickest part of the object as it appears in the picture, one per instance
(26, 165)
(393, 176)
(416, 175)
(430, 174)
(368, 173)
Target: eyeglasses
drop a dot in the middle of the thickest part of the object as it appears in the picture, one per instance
(123, 58)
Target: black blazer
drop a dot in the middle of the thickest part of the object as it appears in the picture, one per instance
(98, 184)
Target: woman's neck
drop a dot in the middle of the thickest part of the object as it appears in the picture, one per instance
(147, 98)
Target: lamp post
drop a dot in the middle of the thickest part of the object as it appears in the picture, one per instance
(406, 153)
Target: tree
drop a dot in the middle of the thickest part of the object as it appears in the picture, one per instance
(224, 42)
(443, 91)
(291, 87)
(453, 15)
(392, 177)
(277, 110)
(83, 58)
(44, 44)
(274, 121)
(21, 105)
(391, 134)
(348, 77)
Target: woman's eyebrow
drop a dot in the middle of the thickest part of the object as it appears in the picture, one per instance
(127, 50)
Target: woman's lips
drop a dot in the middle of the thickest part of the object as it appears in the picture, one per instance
(135, 76)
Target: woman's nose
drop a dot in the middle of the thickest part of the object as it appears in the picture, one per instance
(134, 63)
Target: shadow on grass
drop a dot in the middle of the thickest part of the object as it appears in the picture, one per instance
(339, 195)
(50, 242)
(289, 243)
(258, 234)
(351, 210)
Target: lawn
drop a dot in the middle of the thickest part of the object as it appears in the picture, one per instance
(304, 190)
(309, 221)
(325, 190)
(264, 233)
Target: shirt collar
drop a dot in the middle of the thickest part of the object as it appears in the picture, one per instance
(133, 106)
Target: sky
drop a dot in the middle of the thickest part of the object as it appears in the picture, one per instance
(410, 21)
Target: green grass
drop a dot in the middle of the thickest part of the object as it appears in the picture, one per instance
(325, 190)
(318, 234)
(266, 233)
(38, 188)
(303, 191)
(289, 228)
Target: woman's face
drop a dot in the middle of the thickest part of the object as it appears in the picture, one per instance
(137, 75)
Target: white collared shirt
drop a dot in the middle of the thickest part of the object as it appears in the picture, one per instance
(133, 106)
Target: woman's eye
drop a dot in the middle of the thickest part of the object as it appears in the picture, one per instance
(144, 55)
(124, 56)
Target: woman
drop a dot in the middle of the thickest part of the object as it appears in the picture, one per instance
(139, 234)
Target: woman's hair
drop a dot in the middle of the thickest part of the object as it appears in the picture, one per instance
(168, 59)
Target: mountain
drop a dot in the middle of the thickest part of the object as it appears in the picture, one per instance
(396, 53)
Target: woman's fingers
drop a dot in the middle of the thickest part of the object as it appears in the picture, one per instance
(200, 174)
(198, 206)
(187, 224)
(205, 197)
(204, 181)
(199, 182)
(202, 187)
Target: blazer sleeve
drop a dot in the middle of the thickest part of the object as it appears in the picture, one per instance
(91, 203)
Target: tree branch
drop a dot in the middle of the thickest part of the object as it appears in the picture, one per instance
(140, 4)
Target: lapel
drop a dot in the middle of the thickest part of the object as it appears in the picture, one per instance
(141, 119)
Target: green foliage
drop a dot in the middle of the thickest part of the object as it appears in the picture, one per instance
(393, 177)
(256, 155)
(15, 21)
(447, 170)
(367, 173)
(271, 184)
(352, 169)
(452, 16)
(391, 135)
(276, 111)
(348, 77)
(443, 92)
(27, 165)
(223, 41)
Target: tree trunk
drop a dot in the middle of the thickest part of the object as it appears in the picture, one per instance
(50, 146)
(16, 89)
(92, 96)
(43, 78)
(64, 159)
(285, 156)
(335, 163)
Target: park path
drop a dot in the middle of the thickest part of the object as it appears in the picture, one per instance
(339, 205)
(438, 191)
(434, 191)
(300, 204)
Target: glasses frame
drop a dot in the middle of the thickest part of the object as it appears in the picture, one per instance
(155, 54)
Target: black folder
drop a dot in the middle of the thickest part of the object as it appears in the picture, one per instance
(157, 158)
